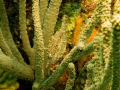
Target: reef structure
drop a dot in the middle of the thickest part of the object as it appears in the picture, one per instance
(102, 70)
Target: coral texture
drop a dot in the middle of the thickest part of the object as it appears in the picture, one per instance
(100, 73)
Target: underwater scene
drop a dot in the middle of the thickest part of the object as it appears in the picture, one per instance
(59, 44)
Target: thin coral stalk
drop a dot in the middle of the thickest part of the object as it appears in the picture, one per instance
(23, 32)
(106, 44)
(15, 67)
(43, 9)
(74, 55)
(5, 46)
(116, 46)
(7, 34)
(72, 75)
(39, 47)
(49, 25)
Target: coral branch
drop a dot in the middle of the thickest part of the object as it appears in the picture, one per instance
(95, 67)
(15, 67)
(74, 55)
(39, 47)
(116, 46)
(43, 9)
(4, 46)
(91, 23)
(50, 20)
(49, 25)
(71, 79)
(7, 34)
(23, 32)
(106, 44)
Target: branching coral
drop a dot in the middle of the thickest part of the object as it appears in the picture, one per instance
(104, 54)
(100, 72)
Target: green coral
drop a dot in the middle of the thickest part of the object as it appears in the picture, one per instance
(99, 71)
(116, 46)
(106, 52)
(72, 75)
